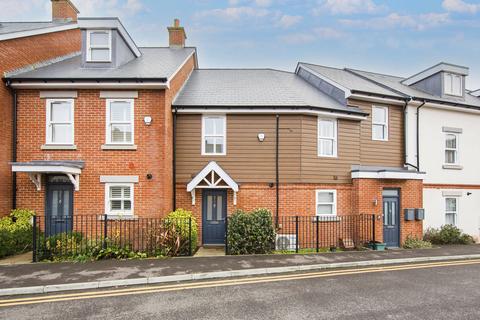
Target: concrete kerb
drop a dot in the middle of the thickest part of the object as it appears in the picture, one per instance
(221, 274)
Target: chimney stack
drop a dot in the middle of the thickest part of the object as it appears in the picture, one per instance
(176, 35)
(64, 10)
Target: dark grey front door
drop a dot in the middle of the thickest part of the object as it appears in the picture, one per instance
(59, 206)
(391, 218)
(214, 212)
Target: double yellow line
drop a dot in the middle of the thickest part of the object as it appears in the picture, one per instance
(224, 283)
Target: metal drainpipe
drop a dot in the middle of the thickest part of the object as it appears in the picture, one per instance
(418, 134)
(14, 144)
(174, 160)
(277, 143)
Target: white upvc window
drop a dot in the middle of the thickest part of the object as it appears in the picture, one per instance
(327, 137)
(453, 84)
(451, 210)
(120, 121)
(99, 45)
(326, 203)
(60, 116)
(451, 148)
(119, 199)
(214, 135)
(380, 123)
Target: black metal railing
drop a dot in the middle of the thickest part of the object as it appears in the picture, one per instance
(320, 233)
(64, 237)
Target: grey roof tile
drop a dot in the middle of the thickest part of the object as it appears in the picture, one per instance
(253, 88)
(13, 27)
(155, 63)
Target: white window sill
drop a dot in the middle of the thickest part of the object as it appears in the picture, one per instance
(58, 147)
(326, 156)
(381, 140)
(214, 154)
(452, 167)
(325, 218)
(112, 216)
(119, 147)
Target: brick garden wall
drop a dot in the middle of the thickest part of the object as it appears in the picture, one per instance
(14, 54)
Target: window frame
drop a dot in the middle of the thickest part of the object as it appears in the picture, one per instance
(48, 123)
(90, 47)
(455, 213)
(224, 134)
(386, 124)
(334, 139)
(334, 203)
(108, 132)
(109, 212)
(456, 149)
(450, 91)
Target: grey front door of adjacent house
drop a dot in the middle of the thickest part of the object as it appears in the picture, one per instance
(59, 206)
(391, 218)
(214, 212)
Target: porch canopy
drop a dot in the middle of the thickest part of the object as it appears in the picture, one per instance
(35, 169)
(372, 172)
(212, 177)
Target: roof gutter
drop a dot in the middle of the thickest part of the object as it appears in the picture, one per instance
(96, 83)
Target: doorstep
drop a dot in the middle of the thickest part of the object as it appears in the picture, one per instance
(210, 251)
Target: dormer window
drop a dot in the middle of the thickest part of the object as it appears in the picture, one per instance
(453, 84)
(99, 46)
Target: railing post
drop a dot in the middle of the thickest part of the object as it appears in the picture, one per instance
(226, 236)
(105, 229)
(296, 234)
(373, 227)
(34, 242)
(190, 236)
(317, 227)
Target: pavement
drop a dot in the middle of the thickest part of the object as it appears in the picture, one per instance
(51, 277)
(428, 291)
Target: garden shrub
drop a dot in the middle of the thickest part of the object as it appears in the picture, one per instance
(416, 243)
(251, 233)
(447, 234)
(16, 232)
(177, 225)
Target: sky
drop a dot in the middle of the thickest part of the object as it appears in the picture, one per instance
(399, 37)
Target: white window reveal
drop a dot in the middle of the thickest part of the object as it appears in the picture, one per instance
(453, 84)
(60, 122)
(326, 202)
(120, 126)
(119, 199)
(451, 148)
(380, 123)
(451, 210)
(327, 137)
(214, 135)
(99, 45)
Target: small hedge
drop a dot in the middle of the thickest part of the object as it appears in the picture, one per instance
(447, 234)
(178, 222)
(251, 233)
(415, 243)
(16, 232)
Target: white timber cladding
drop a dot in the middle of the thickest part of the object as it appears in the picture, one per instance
(327, 137)
(99, 45)
(120, 122)
(59, 122)
(214, 135)
(326, 203)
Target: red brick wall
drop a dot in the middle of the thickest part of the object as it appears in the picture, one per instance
(299, 199)
(14, 54)
(153, 198)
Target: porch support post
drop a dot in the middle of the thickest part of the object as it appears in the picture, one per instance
(75, 180)
(36, 179)
(234, 198)
(193, 197)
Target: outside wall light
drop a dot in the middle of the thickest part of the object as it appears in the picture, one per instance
(147, 120)
(261, 137)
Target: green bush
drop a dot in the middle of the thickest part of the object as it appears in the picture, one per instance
(177, 223)
(415, 243)
(16, 232)
(447, 234)
(251, 233)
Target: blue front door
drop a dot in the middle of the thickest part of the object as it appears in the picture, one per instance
(391, 219)
(59, 206)
(214, 212)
